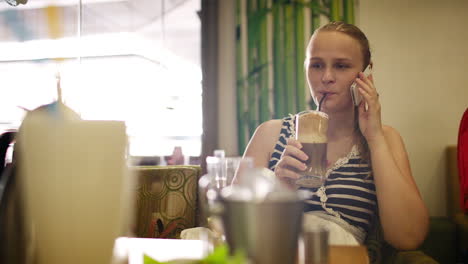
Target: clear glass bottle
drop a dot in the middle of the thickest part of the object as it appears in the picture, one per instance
(209, 189)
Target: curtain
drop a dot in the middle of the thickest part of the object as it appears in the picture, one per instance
(209, 53)
(271, 39)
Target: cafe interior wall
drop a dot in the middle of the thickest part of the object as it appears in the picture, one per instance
(420, 61)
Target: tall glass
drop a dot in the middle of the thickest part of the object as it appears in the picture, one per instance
(311, 131)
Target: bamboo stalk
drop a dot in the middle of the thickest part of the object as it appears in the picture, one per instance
(265, 95)
(252, 63)
(315, 8)
(270, 57)
(300, 55)
(241, 122)
(335, 10)
(278, 60)
(348, 11)
(290, 83)
(264, 98)
(307, 34)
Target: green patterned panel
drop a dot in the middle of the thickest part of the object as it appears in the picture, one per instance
(166, 200)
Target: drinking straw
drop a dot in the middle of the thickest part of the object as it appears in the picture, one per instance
(321, 100)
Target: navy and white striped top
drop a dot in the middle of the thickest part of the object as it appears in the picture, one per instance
(349, 188)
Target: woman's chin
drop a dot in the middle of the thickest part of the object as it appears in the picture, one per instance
(324, 107)
(330, 109)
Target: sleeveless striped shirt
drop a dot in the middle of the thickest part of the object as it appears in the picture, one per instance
(349, 190)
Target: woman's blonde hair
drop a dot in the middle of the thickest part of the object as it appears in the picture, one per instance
(352, 31)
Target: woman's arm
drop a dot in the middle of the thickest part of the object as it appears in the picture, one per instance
(403, 214)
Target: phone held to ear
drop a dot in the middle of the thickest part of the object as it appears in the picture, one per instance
(355, 95)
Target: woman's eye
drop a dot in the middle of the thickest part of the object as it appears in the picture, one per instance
(315, 65)
(341, 66)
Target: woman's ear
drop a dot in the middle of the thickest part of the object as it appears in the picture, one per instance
(371, 71)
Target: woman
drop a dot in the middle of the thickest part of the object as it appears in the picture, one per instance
(382, 185)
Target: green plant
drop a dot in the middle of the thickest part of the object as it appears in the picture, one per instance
(219, 256)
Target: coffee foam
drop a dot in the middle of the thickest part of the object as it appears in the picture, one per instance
(313, 138)
(312, 127)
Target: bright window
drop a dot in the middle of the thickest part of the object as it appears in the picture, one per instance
(149, 77)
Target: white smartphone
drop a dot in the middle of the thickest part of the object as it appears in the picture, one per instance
(355, 95)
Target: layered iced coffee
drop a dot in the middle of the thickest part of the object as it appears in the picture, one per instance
(311, 131)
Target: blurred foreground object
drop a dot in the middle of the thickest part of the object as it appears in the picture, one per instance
(177, 157)
(16, 2)
(262, 218)
(74, 186)
(10, 230)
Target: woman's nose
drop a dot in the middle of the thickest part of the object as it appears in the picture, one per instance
(328, 76)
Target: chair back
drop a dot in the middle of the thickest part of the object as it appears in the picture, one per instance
(462, 154)
(5, 140)
(11, 229)
(166, 201)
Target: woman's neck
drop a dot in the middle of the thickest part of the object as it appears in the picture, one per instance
(341, 125)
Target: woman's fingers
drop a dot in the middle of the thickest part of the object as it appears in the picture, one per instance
(293, 142)
(292, 160)
(372, 100)
(369, 93)
(293, 148)
(367, 84)
(289, 182)
(369, 79)
(287, 172)
(288, 162)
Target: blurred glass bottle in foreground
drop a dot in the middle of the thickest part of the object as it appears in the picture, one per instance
(221, 172)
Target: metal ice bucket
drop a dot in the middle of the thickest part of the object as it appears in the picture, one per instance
(267, 231)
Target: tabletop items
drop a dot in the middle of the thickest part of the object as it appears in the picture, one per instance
(172, 251)
(256, 214)
(221, 172)
(260, 217)
(315, 245)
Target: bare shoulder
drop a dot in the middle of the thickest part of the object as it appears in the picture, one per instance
(399, 152)
(267, 133)
(270, 127)
(263, 141)
(391, 133)
(396, 144)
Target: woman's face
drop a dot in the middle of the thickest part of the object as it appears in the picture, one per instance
(333, 62)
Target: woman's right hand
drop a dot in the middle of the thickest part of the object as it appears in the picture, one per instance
(291, 162)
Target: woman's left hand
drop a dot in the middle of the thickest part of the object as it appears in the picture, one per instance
(369, 117)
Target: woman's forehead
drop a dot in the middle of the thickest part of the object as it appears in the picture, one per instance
(333, 44)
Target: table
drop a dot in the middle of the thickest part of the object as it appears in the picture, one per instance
(348, 254)
(131, 250)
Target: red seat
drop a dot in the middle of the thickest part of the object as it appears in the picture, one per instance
(462, 153)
